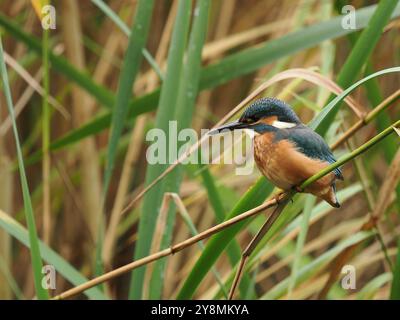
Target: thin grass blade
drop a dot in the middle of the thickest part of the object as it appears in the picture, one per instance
(29, 215)
(301, 239)
(63, 267)
(165, 113)
(395, 289)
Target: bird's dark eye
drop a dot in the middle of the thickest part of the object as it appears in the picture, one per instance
(248, 120)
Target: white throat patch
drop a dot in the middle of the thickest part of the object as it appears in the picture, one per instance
(251, 133)
(283, 125)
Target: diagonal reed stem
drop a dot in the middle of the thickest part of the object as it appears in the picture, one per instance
(169, 251)
(368, 118)
(351, 155)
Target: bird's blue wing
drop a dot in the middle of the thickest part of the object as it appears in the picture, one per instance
(331, 159)
(311, 144)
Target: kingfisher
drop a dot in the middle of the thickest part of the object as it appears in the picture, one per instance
(286, 151)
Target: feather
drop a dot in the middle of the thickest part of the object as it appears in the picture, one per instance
(309, 143)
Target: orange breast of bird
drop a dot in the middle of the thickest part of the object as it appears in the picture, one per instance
(285, 166)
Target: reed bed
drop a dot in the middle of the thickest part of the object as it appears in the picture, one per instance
(78, 194)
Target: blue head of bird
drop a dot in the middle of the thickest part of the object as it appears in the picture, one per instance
(261, 115)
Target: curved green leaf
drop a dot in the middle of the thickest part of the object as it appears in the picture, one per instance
(248, 60)
(362, 50)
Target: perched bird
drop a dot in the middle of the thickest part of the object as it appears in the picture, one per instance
(286, 151)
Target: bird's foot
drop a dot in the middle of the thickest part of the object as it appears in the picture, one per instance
(297, 189)
(278, 196)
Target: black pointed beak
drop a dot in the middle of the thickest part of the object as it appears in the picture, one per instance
(229, 127)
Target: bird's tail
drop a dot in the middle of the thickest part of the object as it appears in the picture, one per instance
(331, 197)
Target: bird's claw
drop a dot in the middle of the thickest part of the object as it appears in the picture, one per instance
(278, 197)
(297, 189)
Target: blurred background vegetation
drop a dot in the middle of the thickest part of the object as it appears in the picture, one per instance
(85, 94)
